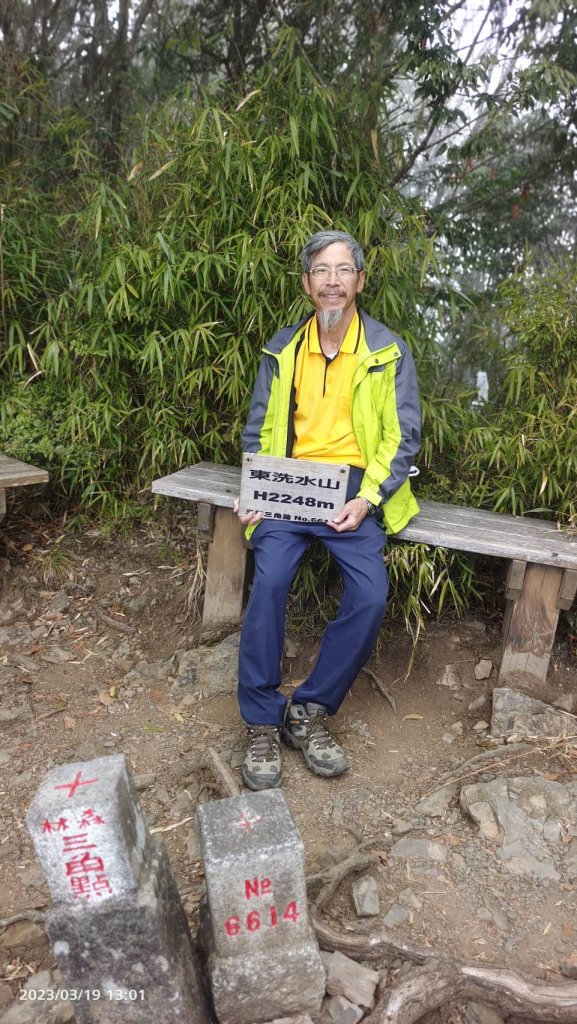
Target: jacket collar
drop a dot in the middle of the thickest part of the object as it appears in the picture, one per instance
(377, 336)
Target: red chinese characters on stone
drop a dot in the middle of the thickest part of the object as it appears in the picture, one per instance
(55, 826)
(83, 865)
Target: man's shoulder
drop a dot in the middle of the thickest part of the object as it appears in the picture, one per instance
(378, 335)
(284, 336)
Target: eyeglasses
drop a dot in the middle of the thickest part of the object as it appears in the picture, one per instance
(342, 273)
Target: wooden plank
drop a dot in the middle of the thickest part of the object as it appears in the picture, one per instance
(14, 473)
(515, 577)
(226, 572)
(205, 520)
(529, 639)
(568, 589)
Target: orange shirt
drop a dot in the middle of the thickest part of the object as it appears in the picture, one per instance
(323, 388)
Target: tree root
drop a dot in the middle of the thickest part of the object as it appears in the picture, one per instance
(439, 979)
(223, 774)
(380, 687)
(356, 862)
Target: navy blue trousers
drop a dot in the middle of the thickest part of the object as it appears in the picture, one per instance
(348, 640)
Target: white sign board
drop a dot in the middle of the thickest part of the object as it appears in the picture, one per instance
(292, 489)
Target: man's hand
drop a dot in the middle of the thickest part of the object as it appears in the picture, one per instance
(350, 517)
(250, 519)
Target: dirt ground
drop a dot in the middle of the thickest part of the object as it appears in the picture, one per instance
(85, 607)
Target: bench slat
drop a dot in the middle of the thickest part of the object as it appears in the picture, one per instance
(14, 473)
(473, 530)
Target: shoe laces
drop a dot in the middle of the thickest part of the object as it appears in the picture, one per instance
(318, 731)
(264, 742)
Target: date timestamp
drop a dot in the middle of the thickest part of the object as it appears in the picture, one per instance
(76, 995)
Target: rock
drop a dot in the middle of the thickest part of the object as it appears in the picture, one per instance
(477, 704)
(6, 996)
(144, 780)
(291, 648)
(569, 968)
(517, 714)
(565, 702)
(448, 737)
(137, 604)
(480, 726)
(366, 896)
(56, 656)
(457, 728)
(39, 982)
(483, 668)
(437, 804)
(525, 815)
(338, 1010)
(449, 678)
(209, 671)
(347, 978)
(60, 603)
(410, 899)
(64, 1014)
(396, 915)
(302, 1018)
(24, 935)
(400, 826)
(480, 1013)
(418, 849)
(17, 635)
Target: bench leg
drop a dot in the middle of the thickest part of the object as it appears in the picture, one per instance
(530, 624)
(226, 574)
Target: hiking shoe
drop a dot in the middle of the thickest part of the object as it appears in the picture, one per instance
(305, 728)
(262, 768)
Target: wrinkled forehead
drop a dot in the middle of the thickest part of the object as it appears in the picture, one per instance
(333, 255)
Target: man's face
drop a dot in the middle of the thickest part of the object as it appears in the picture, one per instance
(334, 290)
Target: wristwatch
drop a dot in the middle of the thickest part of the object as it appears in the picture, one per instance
(372, 508)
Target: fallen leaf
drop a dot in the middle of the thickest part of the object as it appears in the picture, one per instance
(551, 776)
(69, 722)
(547, 928)
(566, 931)
(179, 717)
(154, 728)
(27, 547)
(412, 718)
(105, 698)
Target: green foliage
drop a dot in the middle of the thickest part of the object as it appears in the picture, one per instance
(138, 305)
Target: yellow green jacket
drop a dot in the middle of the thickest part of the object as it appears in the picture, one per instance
(385, 413)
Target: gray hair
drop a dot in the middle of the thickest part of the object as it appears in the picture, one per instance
(320, 241)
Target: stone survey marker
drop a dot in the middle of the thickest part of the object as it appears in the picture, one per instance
(263, 959)
(117, 925)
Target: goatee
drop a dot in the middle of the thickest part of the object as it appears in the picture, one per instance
(329, 319)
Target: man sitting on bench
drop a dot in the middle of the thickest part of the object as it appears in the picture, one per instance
(338, 387)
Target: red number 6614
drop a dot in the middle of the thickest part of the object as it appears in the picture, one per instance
(256, 919)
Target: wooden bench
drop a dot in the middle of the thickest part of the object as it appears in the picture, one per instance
(541, 575)
(17, 474)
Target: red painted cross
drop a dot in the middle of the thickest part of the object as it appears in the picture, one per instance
(73, 786)
(246, 822)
